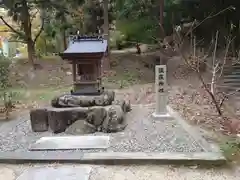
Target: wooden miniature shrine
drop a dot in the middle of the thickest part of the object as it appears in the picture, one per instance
(85, 53)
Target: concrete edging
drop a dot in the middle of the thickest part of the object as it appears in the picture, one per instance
(212, 155)
(115, 158)
(154, 158)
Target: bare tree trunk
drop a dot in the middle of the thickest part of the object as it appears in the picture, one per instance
(161, 18)
(31, 51)
(64, 39)
(106, 33)
(214, 66)
(27, 26)
(90, 21)
(161, 11)
(45, 46)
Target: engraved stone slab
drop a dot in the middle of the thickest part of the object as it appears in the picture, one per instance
(161, 92)
(71, 142)
(56, 173)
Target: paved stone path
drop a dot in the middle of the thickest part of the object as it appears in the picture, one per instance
(161, 172)
(56, 173)
(146, 172)
(71, 142)
(7, 174)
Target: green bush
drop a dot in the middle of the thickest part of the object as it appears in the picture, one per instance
(5, 93)
(4, 72)
(142, 30)
(118, 40)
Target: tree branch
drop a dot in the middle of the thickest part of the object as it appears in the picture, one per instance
(10, 27)
(34, 15)
(198, 73)
(211, 15)
(218, 108)
(225, 96)
(39, 32)
(229, 41)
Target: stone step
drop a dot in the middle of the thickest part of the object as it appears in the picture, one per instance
(232, 67)
(232, 73)
(227, 81)
(231, 76)
(231, 81)
(233, 87)
(225, 85)
(71, 142)
(229, 89)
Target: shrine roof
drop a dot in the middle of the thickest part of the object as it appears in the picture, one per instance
(83, 45)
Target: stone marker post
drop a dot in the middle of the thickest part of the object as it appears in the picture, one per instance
(161, 92)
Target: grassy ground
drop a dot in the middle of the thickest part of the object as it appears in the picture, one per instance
(44, 94)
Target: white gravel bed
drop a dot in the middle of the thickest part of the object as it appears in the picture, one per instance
(142, 134)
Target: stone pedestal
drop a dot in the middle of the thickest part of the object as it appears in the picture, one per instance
(161, 102)
(39, 120)
(161, 107)
(107, 118)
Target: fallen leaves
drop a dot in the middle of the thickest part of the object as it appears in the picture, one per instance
(196, 107)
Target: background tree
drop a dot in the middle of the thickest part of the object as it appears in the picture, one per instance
(106, 32)
(23, 12)
(94, 15)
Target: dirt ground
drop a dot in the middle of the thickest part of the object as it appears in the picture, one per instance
(54, 72)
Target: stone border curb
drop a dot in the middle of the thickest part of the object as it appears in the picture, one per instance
(113, 158)
(154, 158)
(211, 156)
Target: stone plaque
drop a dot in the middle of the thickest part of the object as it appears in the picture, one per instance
(71, 142)
(161, 83)
(161, 90)
(56, 173)
(161, 70)
(160, 86)
(161, 78)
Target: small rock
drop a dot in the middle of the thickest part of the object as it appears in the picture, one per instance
(79, 128)
(193, 167)
(114, 63)
(28, 94)
(31, 74)
(69, 73)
